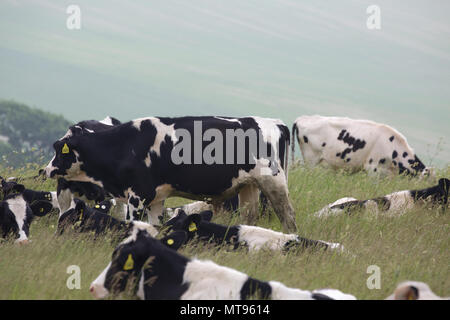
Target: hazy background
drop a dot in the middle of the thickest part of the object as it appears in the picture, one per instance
(278, 58)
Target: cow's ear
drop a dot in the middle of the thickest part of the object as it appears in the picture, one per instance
(411, 293)
(181, 214)
(206, 215)
(174, 240)
(19, 188)
(41, 208)
(192, 223)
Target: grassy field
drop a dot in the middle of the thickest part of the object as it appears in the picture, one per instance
(414, 246)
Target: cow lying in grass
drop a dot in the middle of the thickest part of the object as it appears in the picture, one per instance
(83, 218)
(16, 213)
(254, 238)
(393, 203)
(414, 290)
(9, 187)
(158, 272)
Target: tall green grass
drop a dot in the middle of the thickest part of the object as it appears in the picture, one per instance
(413, 246)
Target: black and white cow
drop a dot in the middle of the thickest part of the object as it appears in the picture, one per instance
(252, 237)
(163, 274)
(16, 213)
(10, 187)
(395, 203)
(67, 190)
(202, 158)
(355, 144)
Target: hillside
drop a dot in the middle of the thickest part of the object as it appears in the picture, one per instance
(27, 134)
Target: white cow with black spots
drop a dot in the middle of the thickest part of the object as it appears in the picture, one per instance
(339, 142)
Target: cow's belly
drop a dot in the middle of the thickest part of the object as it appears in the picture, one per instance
(209, 180)
(353, 160)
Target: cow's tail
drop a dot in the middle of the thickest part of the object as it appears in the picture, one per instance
(294, 131)
(286, 156)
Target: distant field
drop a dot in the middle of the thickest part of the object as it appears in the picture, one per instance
(414, 246)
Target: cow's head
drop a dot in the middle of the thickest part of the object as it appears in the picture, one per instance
(11, 187)
(104, 206)
(66, 162)
(428, 172)
(182, 221)
(128, 259)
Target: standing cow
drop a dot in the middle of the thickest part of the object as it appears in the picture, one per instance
(355, 144)
(202, 158)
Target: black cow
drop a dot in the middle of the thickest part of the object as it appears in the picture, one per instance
(16, 213)
(83, 218)
(10, 187)
(147, 160)
(254, 238)
(161, 273)
(395, 203)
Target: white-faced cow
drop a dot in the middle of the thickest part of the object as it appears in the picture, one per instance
(355, 144)
(202, 158)
(252, 237)
(161, 273)
(16, 214)
(414, 290)
(395, 203)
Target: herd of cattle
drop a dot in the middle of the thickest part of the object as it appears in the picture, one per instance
(128, 170)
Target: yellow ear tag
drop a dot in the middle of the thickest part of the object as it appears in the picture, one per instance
(41, 209)
(170, 242)
(65, 148)
(192, 227)
(97, 206)
(81, 214)
(129, 264)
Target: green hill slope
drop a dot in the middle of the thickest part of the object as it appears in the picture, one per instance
(27, 134)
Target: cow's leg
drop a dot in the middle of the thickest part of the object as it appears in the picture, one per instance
(248, 203)
(275, 189)
(264, 203)
(65, 198)
(217, 206)
(156, 211)
(135, 207)
(119, 210)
